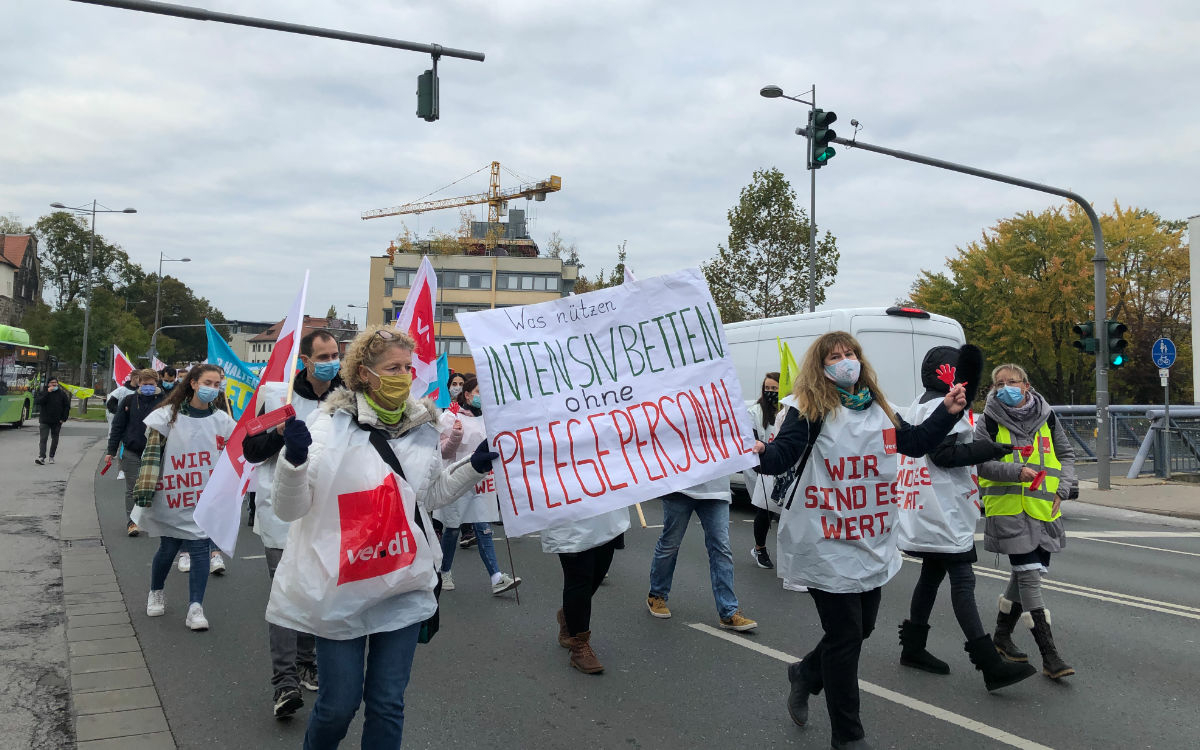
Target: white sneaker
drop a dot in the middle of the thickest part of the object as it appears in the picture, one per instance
(195, 617)
(216, 565)
(120, 475)
(506, 583)
(447, 581)
(156, 604)
(50, 460)
(789, 586)
(185, 562)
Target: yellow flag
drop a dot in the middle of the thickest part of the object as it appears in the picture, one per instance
(78, 391)
(787, 367)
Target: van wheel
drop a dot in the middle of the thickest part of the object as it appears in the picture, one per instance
(24, 415)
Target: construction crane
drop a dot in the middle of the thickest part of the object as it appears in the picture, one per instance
(496, 198)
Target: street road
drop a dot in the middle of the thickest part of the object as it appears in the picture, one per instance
(1124, 598)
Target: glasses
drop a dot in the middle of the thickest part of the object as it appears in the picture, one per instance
(386, 334)
(1011, 381)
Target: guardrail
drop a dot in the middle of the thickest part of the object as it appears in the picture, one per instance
(1139, 433)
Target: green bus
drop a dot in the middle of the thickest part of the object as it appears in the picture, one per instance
(23, 369)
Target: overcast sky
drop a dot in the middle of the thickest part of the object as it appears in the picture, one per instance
(253, 152)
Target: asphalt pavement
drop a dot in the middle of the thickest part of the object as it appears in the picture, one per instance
(1124, 600)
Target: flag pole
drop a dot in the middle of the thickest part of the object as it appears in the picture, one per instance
(641, 515)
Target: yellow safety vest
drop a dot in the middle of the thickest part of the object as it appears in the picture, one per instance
(1011, 498)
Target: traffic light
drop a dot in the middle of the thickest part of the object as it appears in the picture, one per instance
(819, 137)
(1086, 343)
(1116, 343)
(427, 95)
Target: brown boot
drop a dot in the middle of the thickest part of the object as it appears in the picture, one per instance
(583, 657)
(564, 637)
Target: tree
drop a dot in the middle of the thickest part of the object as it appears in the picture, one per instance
(331, 313)
(63, 241)
(604, 280)
(1020, 289)
(179, 306)
(11, 224)
(763, 269)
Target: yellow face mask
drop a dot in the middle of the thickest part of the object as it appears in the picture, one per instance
(392, 392)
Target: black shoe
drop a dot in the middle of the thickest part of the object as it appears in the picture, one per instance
(997, 671)
(797, 701)
(468, 542)
(287, 702)
(1053, 665)
(40, 461)
(761, 558)
(859, 744)
(913, 654)
(1006, 620)
(308, 676)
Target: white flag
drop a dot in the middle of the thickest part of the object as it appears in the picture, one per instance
(416, 317)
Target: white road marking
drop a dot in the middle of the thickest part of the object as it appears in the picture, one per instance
(928, 709)
(254, 557)
(1127, 534)
(1105, 596)
(1090, 538)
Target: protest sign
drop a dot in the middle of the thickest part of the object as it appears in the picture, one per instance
(598, 401)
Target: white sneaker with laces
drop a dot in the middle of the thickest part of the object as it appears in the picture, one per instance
(156, 604)
(216, 565)
(195, 617)
(185, 562)
(506, 583)
(447, 581)
(50, 460)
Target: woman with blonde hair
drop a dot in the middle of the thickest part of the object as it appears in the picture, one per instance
(360, 568)
(838, 447)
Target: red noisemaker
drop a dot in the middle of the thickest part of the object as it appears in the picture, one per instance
(107, 466)
(269, 420)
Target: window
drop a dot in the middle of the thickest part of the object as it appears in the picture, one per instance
(403, 278)
(527, 282)
(449, 312)
(388, 286)
(453, 347)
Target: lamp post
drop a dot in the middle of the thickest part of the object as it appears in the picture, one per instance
(158, 301)
(774, 92)
(360, 307)
(87, 308)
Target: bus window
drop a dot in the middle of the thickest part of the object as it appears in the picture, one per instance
(23, 369)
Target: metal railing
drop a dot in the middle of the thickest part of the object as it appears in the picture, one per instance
(1139, 434)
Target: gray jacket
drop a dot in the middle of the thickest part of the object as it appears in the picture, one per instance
(1014, 535)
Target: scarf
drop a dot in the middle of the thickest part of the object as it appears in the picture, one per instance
(389, 417)
(856, 401)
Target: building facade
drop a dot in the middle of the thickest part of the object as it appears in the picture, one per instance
(466, 283)
(20, 277)
(259, 347)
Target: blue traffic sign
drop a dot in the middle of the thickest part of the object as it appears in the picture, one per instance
(1163, 352)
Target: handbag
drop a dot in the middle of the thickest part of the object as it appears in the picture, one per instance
(788, 482)
(379, 442)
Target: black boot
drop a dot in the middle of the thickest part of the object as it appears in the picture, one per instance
(997, 672)
(1006, 620)
(797, 702)
(913, 654)
(1052, 664)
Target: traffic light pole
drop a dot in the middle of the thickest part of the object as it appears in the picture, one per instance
(812, 221)
(1103, 430)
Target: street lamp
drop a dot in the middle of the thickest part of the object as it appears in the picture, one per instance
(158, 300)
(87, 308)
(360, 307)
(775, 92)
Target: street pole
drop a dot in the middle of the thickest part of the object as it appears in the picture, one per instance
(1100, 261)
(87, 311)
(157, 302)
(812, 219)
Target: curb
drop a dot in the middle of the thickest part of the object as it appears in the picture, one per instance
(113, 699)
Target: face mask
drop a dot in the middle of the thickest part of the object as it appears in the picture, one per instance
(476, 401)
(326, 371)
(1010, 395)
(147, 390)
(770, 398)
(455, 390)
(207, 393)
(844, 372)
(168, 385)
(52, 388)
(392, 392)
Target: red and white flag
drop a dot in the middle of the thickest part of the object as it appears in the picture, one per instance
(219, 509)
(416, 317)
(157, 364)
(121, 366)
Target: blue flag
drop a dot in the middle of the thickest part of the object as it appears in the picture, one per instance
(240, 378)
(441, 389)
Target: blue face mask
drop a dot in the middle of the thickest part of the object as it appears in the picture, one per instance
(147, 390)
(476, 401)
(168, 385)
(207, 393)
(1010, 395)
(326, 371)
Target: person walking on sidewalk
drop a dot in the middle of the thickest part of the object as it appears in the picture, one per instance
(54, 409)
(710, 502)
(1021, 498)
(478, 507)
(762, 416)
(129, 432)
(360, 568)
(840, 440)
(585, 551)
(293, 653)
(184, 436)
(938, 518)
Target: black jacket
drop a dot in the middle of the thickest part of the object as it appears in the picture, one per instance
(265, 445)
(129, 426)
(55, 406)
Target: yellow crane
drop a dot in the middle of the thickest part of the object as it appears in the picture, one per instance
(494, 197)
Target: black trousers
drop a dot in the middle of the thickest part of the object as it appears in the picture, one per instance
(582, 574)
(962, 594)
(847, 620)
(48, 430)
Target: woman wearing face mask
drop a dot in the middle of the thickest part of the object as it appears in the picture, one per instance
(477, 508)
(129, 430)
(1021, 498)
(183, 439)
(466, 532)
(360, 568)
(457, 381)
(762, 416)
(835, 530)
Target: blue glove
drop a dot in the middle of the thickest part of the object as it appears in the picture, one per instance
(481, 459)
(296, 439)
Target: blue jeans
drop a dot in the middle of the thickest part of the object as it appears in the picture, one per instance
(343, 685)
(714, 517)
(160, 566)
(487, 550)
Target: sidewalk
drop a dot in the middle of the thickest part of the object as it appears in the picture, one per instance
(1146, 495)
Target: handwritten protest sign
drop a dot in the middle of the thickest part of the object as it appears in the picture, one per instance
(598, 401)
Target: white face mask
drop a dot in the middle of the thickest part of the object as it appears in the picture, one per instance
(455, 390)
(844, 372)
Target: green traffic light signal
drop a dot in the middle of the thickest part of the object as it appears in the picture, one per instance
(1117, 344)
(1086, 343)
(820, 136)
